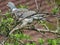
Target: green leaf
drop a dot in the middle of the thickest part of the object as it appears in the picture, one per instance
(55, 10)
(49, 41)
(7, 44)
(28, 44)
(58, 41)
(33, 43)
(17, 36)
(54, 42)
(41, 41)
(10, 20)
(26, 36)
(16, 43)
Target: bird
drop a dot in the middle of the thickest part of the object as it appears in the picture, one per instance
(28, 16)
(19, 12)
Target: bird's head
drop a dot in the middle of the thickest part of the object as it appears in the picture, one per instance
(11, 5)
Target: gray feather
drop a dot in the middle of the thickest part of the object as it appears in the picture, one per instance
(27, 14)
(11, 5)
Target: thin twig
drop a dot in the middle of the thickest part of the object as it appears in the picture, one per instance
(42, 30)
(58, 28)
(46, 26)
(14, 29)
(36, 5)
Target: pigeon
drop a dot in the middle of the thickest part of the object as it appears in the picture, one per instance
(28, 16)
(20, 12)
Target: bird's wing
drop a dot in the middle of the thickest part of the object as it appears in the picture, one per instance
(28, 13)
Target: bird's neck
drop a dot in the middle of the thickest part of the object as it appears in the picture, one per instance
(14, 9)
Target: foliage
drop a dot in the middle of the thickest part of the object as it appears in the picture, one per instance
(33, 43)
(6, 24)
(49, 41)
(57, 2)
(53, 41)
(7, 44)
(14, 38)
(48, 24)
(8, 15)
(58, 41)
(55, 10)
(22, 6)
(41, 41)
(20, 36)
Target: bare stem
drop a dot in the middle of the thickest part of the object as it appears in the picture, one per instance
(42, 30)
(36, 5)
